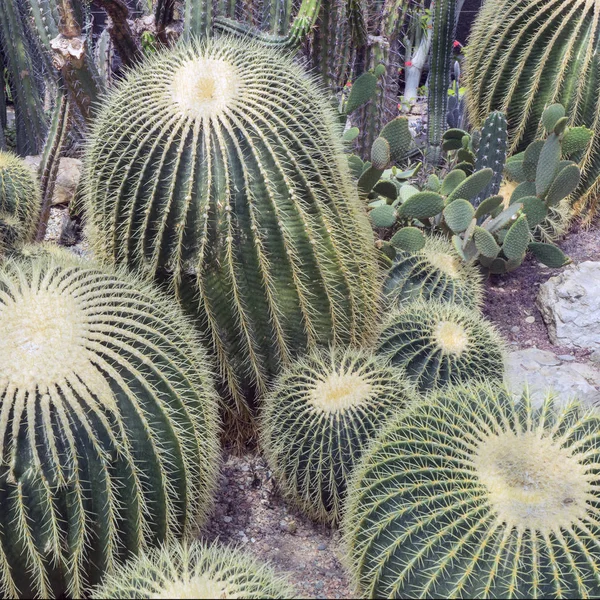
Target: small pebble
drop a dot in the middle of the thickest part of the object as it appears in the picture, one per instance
(227, 519)
(515, 329)
(318, 585)
(322, 547)
(595, 357)
(530, 320)
(566, 357)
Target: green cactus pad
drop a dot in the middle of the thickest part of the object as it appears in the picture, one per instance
(516, 240)
(535, 210)
(388, 189)
(194, 570)
(564, 184)
(20, 197)
(362, 90)
(434, 272)
(217, 168)
(455, 134)
(523, 190)
(472, 185)
(531, 158)
(321, 414)
(551, 116)
(433, 183)
(422, 205)
(458, 215)
(409, 239)
(397, 133)
(380, 153)
(576, 140)
(451, 144)
(549, 254)
(496, 497)
(488, 206)
(383, 216)
(369, 178)
(440, 344)
(452, 181)
(485, 242)
(548, 164)
(108, 428)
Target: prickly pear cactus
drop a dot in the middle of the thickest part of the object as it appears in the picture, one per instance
(108, 424)
(194, 570)
(224, 177)
(20, 201)
(434, 272)
(319, 417)
(472, 495)
(440, 344)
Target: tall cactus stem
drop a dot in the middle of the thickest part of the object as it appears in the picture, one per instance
(198, 19)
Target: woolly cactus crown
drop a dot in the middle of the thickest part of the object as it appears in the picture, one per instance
(497, 498)
(108, 424)
(218, 168)
(194, 571)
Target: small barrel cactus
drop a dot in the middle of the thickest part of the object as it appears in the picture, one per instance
(194, 570)
(435, 272)
(218, 169)
(318, 418)
(441, 344)
(108, 424)
(20, 201)
(472, 495)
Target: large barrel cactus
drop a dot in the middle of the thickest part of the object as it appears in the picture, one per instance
(20, 201)
(194, 571)
(218, 168)
(474, 495)
(108, 424)
(320, 416)
(524, 55)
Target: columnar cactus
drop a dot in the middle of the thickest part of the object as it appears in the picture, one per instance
(472, 495)
(491, 153)
(108, 424)
(440, 344)
(524, 55)
(319, 417)
(194, 571)
(218, 168)
(434, 272)
(20, 201)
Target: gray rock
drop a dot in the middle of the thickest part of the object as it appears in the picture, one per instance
(67, 180)
(566, 357)
(542, 371)
(570, 306)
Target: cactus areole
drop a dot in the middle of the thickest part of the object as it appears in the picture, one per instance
(217, 168)
(108, 425)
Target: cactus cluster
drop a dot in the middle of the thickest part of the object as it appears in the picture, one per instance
(223, 176)
(433, 272)
(440, 344)
(195, 570)
(524, 55)
(474, 495)
(19, 202)
(319, 417)
(108, 424)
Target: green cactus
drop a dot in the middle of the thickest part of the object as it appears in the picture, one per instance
(440, 344)
(318, 418)
(108, 423)
(491, 153)
(436, 272)
(195, 570)
(232, 188)
(20, 201)
(474, 495)
(525, 55)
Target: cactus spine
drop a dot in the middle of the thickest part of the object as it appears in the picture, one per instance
(525, 55)
(194, 570)
(318, 418)
(472, 495)
(440, 344)
(251, 218)
(108, 424)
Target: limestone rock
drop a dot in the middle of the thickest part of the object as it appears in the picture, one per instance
(570, 306)
(67, 180)
(542, 371)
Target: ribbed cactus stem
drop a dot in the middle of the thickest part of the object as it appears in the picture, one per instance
(444, 31)
(491, 153)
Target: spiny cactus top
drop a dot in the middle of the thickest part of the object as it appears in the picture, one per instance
(108, 424)
(320, 415)
(440, 344)
(20, 201)
(527, 54)
(434, 272)
(194, 571)
(219, 168)
(473, 495)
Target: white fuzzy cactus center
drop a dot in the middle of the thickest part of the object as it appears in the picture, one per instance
(41, 341)
(340, 392)
(533, 483)
(445, 263)
(195, 587)
(451, 337)
(205, 87)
